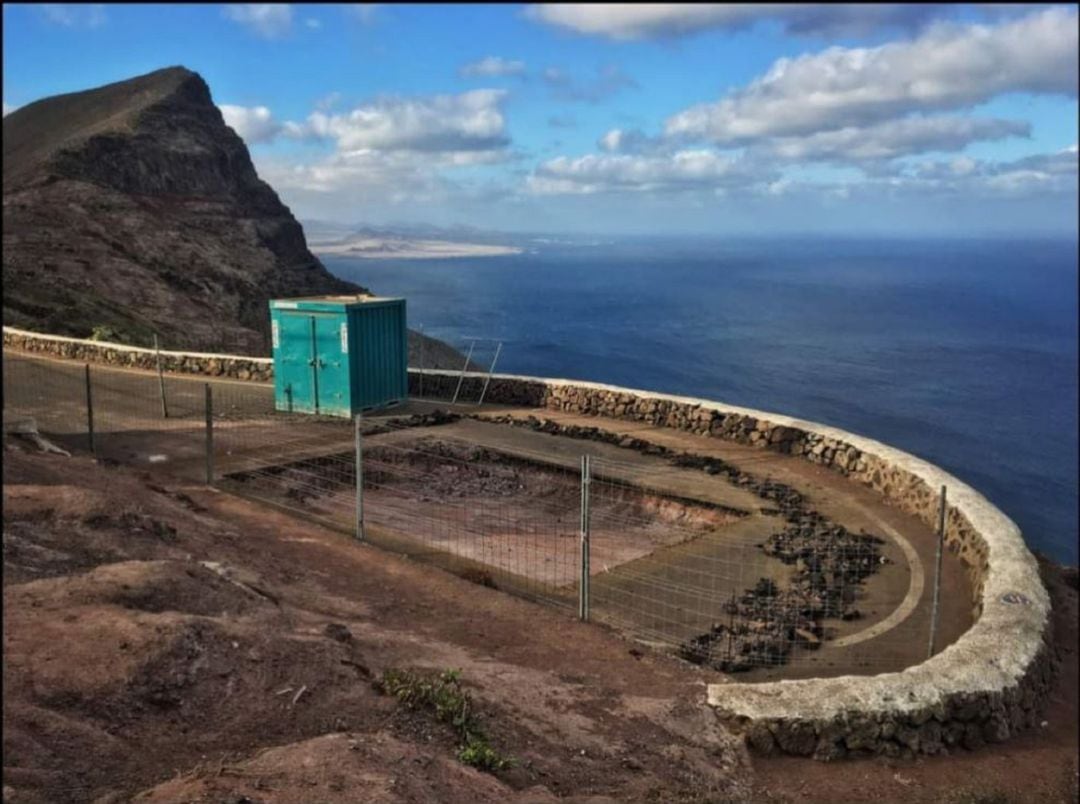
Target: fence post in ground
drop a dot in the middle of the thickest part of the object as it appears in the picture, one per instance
(937, 576)
(359, 480)
(583, 585)
(464, 368)
(420, 376)
(209, 436)
(491, 370)
(161, 379)
(90, 413)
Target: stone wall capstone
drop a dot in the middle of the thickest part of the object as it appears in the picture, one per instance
(239, 367)
(989, 684)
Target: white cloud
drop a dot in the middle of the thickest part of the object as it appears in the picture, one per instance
(971, 179)
(608, 81)
(630, 141)
(74, 15)
(267, 20)
(352, 179)
(254, 124)
(364, 13)
(8, 108)
(1058, 169)
(600, 173)
(393, 149)
(612, 140)
(627, 21)
(313, 23)
(779, 187)
(468, 122)
(963, 165)
(492, 66)
(753, 173)
(365, 172)
(947, 67)
(892, 139)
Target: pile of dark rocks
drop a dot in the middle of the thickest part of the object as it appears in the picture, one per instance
(767, 622)
(764, 625)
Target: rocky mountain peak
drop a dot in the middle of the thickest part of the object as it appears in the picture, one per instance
(133, 206)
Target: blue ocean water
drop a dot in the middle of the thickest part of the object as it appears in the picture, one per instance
(960, 352)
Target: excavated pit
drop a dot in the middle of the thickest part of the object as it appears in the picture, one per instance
(514, 522)
(513, 515)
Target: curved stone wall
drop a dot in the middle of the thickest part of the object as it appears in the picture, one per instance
(985, 686)
(982, 688)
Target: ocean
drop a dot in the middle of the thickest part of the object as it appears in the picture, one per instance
(960, 352)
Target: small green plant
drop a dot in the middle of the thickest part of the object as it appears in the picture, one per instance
(478, 754)
(442, 695)
(972, 796)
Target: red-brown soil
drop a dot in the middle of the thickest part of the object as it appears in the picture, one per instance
(155, 640)
(168, 643)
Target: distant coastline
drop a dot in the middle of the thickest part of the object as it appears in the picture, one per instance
(378, 248)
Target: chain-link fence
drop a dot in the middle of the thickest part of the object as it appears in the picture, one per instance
(717, 563)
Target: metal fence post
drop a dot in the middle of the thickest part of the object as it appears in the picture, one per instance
(90, 413)
(359, 480)
(161, 379)
(420, 376)
(464, 368)
(937, 576)
(491, 371)
(209, 436)
(583, 586)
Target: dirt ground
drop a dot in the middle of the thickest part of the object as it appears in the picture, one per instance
(156, 640)
(167, 643)
(512, 516)
(674, 548)
(676, 591)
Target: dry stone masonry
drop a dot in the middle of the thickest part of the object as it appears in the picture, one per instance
(987, 685)
(239, 367)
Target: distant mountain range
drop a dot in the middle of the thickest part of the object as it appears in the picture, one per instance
(407, 241)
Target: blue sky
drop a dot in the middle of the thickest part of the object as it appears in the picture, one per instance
(655, 119)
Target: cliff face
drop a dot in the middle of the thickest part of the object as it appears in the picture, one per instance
(133, 206)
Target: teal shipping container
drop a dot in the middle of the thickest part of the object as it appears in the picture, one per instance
(339, 355)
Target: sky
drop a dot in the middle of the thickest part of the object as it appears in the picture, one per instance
(676, 119)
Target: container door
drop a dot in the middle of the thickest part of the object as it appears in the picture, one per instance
(380, 366)
(295, 377)
(332, 359)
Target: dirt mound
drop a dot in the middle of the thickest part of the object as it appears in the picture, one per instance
(217, 651)
(150, 586)
(54, 530)
(339, 768)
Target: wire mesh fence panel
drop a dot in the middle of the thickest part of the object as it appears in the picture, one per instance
(718, 563)
(303, 463)
(50, 392)
(762, 587)
(496, 518)
(129, 423)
